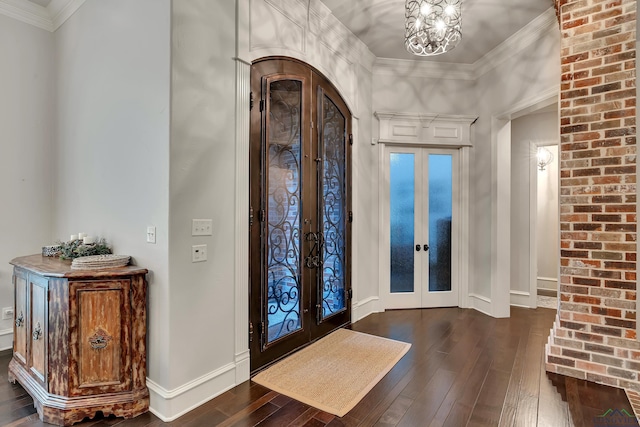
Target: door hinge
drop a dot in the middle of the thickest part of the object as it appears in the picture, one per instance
(350, 139)
(348, 294)
(350, 216)
(263, 215)
(311, 124)
(250, 101)
(262, 329)
(250, 331)
(262, 105)
(250, 216)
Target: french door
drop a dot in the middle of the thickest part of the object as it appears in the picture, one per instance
(421, 232)
(300, 231)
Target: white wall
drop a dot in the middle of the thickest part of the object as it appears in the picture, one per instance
(112, 142)
(202, 186)
(535, 70)
(547, 223)
(537, 128)
(26, 77)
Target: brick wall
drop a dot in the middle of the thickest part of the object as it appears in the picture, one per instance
(594, 336)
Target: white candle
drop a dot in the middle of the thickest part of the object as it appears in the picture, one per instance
(82, 235)
(73, 237)
(88, 240)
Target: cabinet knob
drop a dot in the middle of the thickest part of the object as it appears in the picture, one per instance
(20, 319)
(37, 332)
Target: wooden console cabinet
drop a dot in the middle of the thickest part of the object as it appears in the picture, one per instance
(80, 339)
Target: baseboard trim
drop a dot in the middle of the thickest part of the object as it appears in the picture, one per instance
(169, 405)
(363, 308)
(480, 303)
(6, 339)
(548, 292)
(520, 299)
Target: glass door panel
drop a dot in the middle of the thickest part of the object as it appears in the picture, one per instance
(440, 214)
(333, 209)
(402, 218)
(283, 210)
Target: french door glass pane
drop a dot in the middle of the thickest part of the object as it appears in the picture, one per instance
(440, 210)
(283, 209)
(402, 208)
(332, 181)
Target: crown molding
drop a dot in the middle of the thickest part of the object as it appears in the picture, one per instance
(507, 49)
(48, 18)
(430, 70)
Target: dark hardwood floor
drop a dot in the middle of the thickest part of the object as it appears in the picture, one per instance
(463, 369)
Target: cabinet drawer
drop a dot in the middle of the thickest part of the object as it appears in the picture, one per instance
(100, 334)
(20, 320)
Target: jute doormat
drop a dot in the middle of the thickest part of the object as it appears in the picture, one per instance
(336, 372)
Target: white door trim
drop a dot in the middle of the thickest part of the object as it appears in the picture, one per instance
(533, 223)
(460, 226)
(435, 131)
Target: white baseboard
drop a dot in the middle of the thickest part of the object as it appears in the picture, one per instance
(171, 404)
(521, 299)
(362, 309)
(547, 283)
(243, 367)
(6, 339)
(480, 303)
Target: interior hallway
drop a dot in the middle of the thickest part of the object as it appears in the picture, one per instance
(464, 369)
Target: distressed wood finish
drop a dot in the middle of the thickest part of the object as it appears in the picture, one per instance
(83, 350)
(20, 321)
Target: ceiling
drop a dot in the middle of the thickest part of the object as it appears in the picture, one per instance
(43, 3)
(485, 24)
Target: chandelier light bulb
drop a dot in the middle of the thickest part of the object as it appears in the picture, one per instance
(432, 27)
(544, 157)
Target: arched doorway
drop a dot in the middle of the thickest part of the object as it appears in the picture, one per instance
(300, 199)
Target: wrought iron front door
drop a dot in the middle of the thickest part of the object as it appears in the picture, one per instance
(300, 209)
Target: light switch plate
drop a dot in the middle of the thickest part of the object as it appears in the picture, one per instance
(151, 234)
(198, 253)
(201, 227)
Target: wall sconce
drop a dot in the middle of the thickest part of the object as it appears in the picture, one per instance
(544, 157)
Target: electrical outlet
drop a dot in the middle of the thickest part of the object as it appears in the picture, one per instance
(201, 227)
(151, 234)
(198, 253)
(7, 313)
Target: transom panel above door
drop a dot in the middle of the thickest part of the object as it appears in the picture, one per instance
(300, 197)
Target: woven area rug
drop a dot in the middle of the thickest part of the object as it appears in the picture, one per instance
(336, 372)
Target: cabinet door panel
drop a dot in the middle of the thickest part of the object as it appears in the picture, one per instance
(100, 336)
(20, 316)
(38, 329)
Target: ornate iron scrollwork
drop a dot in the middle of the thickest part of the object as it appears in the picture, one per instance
(20, 319)
(37, 332)
(282, 211)
(313, 259)
(333, 204)
(100, 339)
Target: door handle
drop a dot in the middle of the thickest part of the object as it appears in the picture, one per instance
(426, 248)
(418, 248)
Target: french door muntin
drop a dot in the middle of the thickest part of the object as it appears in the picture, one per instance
(300, 243)
(420, 239)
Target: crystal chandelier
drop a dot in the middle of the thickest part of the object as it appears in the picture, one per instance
(432, 27)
